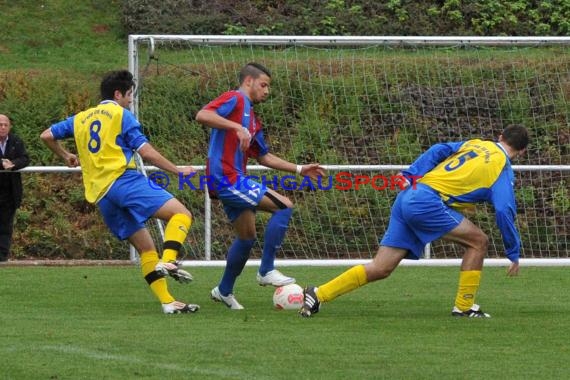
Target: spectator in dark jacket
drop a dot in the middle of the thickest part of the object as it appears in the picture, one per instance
(13, 157)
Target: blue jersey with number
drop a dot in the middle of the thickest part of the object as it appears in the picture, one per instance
(106, 137)
(469, 172)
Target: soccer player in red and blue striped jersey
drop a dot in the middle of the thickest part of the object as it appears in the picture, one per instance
(236, 136)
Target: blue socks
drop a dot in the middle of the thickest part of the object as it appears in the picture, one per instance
(235, 262)
(274, 235)
(238, 254)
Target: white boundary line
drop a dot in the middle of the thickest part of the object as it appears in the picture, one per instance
(423, 262)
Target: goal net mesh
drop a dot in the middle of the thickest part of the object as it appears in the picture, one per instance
(367, 105)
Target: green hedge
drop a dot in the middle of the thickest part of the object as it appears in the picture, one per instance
(55, 221)
(340, 17)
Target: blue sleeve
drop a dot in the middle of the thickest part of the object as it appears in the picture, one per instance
(503, 199)
(132, 133)
(431, 158)
(63, 129)
(226, 108)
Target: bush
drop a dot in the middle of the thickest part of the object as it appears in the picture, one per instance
(340, 17)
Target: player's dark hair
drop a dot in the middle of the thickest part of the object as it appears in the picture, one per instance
(121, 80)
(253, 70)
(516, 136)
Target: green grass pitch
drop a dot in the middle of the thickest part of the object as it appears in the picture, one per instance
(103, 323)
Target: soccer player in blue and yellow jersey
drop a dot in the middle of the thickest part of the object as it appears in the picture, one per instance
(455, 176)
(107, 137)
(236, 136)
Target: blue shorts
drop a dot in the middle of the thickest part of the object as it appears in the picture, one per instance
(130, 202)
(243, 195)
(419, 217)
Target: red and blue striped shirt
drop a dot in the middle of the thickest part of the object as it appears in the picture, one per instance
(226, 161)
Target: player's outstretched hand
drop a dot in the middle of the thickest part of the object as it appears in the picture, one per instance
(244, 139)
(403, 182)
(71, 160)
(186, 170)
(313, 171)
(513, 270)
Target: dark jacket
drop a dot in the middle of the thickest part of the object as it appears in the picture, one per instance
(15, 152)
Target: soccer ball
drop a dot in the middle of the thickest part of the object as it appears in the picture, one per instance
(288, 297)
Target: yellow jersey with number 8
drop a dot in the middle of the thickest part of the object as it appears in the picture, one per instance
(106, 137)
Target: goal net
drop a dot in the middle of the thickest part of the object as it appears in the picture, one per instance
(367, 107)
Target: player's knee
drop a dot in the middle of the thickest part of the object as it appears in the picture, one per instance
(288, 203)
(283, 203)
(375, 272)
(171, 208)
(247, 233)
(485, 242)
(183, 210)
(246, 236)
(142, 244)
(187, 213)
(379, 275)
(385, 273)
(280, 202)
(482, 242)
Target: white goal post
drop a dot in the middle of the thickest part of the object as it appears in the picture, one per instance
(368, 105)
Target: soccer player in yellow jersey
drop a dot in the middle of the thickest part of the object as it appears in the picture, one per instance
(453, 176)
(107, 137)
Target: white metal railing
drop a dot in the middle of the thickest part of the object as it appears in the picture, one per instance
(65, 169)
(208, 216)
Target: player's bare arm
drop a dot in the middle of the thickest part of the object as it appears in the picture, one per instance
(70, 159)
(313, 170)
(148, 153)
(213, 120)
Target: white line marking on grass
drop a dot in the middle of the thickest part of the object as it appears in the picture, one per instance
(104, 356)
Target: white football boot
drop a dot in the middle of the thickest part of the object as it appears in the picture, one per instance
(229, 300)
(275, 278)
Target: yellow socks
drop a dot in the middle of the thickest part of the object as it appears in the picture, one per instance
(174, 235)
(468, 285)
(353, 278)
(155, 281)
